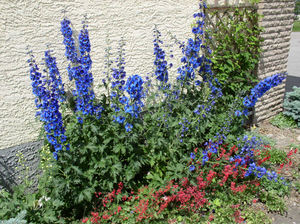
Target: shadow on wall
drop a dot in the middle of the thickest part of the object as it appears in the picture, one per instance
(290, 82)
(7, 180)
(9, 175)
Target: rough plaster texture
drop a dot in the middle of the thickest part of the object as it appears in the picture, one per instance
(9, 161)
(37, 24)
(277, 22)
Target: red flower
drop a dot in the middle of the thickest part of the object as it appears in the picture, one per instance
(85, 220)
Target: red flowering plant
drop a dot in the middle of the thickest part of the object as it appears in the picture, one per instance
(220, 186)
(150, 204)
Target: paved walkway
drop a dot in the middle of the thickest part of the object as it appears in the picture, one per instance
(293, 67)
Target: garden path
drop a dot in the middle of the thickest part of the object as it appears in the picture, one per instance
(293, 66)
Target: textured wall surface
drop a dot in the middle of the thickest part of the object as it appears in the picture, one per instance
(277, 22)
(12, 171)
(37, 24)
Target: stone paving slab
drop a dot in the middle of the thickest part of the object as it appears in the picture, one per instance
(293, 66)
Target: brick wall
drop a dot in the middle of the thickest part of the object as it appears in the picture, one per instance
(277, 21)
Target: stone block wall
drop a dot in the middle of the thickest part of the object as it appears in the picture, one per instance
(278, 18)
(12, 171)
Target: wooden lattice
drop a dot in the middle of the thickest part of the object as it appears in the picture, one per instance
(223, 21)
(217, 18)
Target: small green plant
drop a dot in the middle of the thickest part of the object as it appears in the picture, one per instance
(273, 202)
(253, 216)
(292, 105)
(296, 185)
(19, 219)
(296, 26)
(283, 121)
(253, 132)
(277, 156)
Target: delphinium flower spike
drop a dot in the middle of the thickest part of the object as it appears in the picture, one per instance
(79, 70)
(262, 87)
(161, 65)
(48, 94)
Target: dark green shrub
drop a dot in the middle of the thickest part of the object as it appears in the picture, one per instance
(292, 104)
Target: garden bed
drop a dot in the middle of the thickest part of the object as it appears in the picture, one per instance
(283, 139)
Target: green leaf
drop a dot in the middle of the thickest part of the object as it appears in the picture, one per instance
(217, 202)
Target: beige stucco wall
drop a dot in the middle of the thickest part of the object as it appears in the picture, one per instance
(36, 23)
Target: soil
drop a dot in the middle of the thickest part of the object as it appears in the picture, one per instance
(284, 138)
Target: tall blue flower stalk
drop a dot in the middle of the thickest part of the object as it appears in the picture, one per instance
(119, 100)
(131, 105)
(161, 65)
(196, 67)
(262, 87)
(69, 42)
(134, 87)
(193, 58)
(79, 70)
(49, 92)
(119, 73)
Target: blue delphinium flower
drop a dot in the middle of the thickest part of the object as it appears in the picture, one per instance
(257, 171)
(134, 87)
(191, 60)
(119, 119)
(272, 175)
(128, 127)
(79, 70)
(192, 168)
(48, 93)
(69, 42)
(195, 63)
(84, 93)
(161, 65)
(192, 155)
(237, 113)
(57, 87)
(119, 73)
(262, 87)
(184, 128)
(84, 41)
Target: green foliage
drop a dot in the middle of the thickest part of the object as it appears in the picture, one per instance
(265, 139)
(292, 104)
(296, 26)
(277, 156)
(296, 185)
(283, 121)
(297, 7)
(276, 188)
(19, 219)
(236, 50)
(101, 156)
(38, 206)
(273, 193)
(273, 202)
